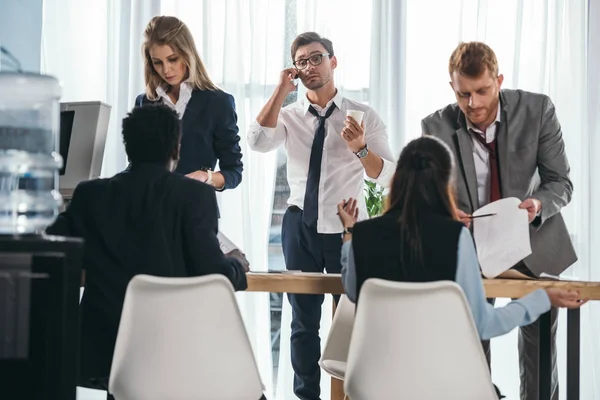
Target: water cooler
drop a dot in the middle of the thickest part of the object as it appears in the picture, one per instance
(39, 275)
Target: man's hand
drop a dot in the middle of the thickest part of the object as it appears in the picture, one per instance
(199, 175)
(533, 207)
(286, 80)
(464, 218)
(354, 134)
(241, 257)
(565, 298)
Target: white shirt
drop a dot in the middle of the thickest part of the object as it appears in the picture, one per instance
(342, 173)
(185, 94)
(481, 157)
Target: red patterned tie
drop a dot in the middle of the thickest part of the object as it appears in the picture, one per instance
(495, 191)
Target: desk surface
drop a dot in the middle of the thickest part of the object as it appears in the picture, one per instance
(331, 283)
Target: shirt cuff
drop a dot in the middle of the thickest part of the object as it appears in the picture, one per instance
(387, 173)
(257, 128)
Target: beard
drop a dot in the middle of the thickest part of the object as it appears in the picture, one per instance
(314, 84)
(483, 114)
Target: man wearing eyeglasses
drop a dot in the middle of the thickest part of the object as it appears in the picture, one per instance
(329, 155)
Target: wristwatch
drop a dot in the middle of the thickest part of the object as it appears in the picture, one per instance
(347, 231)
(209, 173)
(363, 153)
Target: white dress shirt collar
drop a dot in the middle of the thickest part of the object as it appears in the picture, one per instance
(472, 127)
(185, 94)
(338, 100)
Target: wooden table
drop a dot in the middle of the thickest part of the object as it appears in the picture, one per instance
(308, 283)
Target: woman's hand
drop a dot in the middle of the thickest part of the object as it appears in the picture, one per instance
(565, 298)
(348, 212)
(199, 175)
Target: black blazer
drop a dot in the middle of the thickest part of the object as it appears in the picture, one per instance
(209, 133)
(145, 220)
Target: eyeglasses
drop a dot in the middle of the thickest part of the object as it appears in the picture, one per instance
(314, 60)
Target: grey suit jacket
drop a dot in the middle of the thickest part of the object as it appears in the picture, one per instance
(533, 163)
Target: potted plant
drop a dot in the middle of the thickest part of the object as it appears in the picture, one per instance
(374, 198)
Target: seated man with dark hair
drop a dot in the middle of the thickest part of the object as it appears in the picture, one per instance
(144, 220)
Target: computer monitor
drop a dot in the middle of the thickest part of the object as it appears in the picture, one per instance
(83, 128)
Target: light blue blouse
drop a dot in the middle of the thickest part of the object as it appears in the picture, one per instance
(490, 321)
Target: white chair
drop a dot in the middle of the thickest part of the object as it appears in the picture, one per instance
(183, 338)
(415, 341)
(335, 353)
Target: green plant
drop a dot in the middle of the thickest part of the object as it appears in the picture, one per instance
(374, 198)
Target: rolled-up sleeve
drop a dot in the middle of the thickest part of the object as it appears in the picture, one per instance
(264, 139)
(492, 321)
(377, 140)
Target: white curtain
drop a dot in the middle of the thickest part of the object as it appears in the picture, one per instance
(388, 68)
(94, 48)
(541, 47)
(591, 146)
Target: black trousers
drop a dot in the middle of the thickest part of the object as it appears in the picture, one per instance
(306, 250)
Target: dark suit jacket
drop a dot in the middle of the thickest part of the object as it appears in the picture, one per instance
(145, 220)
(209, 133)
(533, 163)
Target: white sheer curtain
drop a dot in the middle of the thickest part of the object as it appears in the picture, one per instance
(591, 145)
(541, 47)
(388, 68)
(94, 48)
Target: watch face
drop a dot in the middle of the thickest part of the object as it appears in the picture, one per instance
(363, 153)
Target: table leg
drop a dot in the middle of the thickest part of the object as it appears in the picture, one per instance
(544, 357)
(337, 389)
(573, 353)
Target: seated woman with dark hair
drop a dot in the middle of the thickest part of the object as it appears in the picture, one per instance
(419, 239)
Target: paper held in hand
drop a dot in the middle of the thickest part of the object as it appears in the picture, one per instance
(225, 244)
(502, 240)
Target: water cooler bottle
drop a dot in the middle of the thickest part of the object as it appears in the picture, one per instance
(39, 275)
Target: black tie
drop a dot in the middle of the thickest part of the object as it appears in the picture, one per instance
(311, 196)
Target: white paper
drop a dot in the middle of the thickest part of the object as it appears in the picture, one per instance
(225, 244)
(502, 240)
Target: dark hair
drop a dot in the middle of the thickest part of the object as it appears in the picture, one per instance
(421, 185)
(151, 134)
(472, 59)
(310, 37)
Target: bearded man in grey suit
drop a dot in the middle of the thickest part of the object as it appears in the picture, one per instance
(508, 143)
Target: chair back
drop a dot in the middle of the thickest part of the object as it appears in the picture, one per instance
(183, 338)
(335, 353)
(415, 341)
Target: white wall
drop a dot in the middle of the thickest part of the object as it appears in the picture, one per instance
(21, 31)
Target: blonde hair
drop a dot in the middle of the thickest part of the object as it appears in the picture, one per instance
(173, 32)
